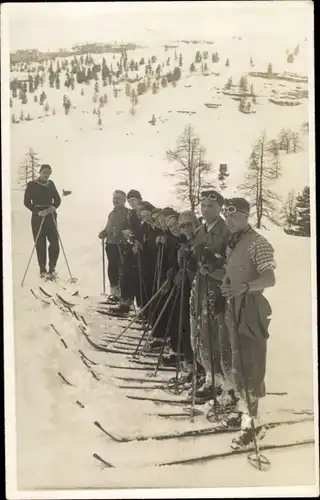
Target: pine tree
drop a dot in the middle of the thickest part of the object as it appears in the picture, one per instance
(21, 116)
(35, 98)
(115, 92)
(289, 211)
(192, 169)
(153, 120)
(13, 118)
(154, 88)
(96, 87)
(10, 102)
(164, 82)
(285, 138)
(99, 122)
(29, 168)
(228, 85)
(46, 108)
(296, 50)
(227, 62)
(251, 62)
(192, 68)
(82, 92)
(28, 118)
(270, 70)
(198, 58)
(243, 84)
(54, 111)
(128, 89)
(57, 82)
(303, 213)
(134, 101)
(290, 58)
(176, 75)
(275, 165)
(257, 181)
(295, 141)
(223, 175)
(180, 61)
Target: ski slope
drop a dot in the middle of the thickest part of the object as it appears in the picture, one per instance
(56, 438)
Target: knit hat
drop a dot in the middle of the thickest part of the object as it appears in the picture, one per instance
(214, 192)
(167, 211)
(133, 193)
(145, 205)
(45, 166)
(240, 204)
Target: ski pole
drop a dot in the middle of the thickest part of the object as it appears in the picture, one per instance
(64, 253)
(140, 312)
(103, 267)
(180, 323)
(160, 265)
(33, 249)
(261, 459)
(140, 283)
(157, 321)
(154, 285)
(166, 332)
(196, 346)
(211, 353)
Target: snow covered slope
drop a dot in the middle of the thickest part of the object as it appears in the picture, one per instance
(56, 438)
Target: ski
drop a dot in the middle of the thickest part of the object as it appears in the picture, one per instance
(205, 431)
(140, 380)
(206, 458)
(168, 401)
(101, 460)
(100, 347)
(65, 302)
(44, 301)
(64, 379)
(86, 357)
(135, 368)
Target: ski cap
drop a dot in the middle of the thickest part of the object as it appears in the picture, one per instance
(145, 205)
(214, 192)
(45, 165)
(240, 204)
(133, 193)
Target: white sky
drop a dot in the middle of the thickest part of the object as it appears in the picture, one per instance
(60, 25)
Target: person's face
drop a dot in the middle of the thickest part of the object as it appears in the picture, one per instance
(133, 202)
(119, 199)
(173, 226)
(162, 222)
(210, 210)
(146, 216)
(187, 227)
(236, 221)
(45, 174)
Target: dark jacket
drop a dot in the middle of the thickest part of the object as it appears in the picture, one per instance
(134, 224)
(117, 222)
(40, 196)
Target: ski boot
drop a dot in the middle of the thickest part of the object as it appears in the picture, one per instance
(154, 345)
(52, 275)
(232, 421)
(246, 440)
(43, 272)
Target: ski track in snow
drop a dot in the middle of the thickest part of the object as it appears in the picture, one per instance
(57, 438)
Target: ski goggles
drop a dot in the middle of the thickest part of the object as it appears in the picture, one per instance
(211, 196)
(232, 210)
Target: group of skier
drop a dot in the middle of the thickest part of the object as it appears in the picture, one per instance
(208, 278)
(211, 311)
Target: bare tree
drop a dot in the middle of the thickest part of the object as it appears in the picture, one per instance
(285, 138)
(296, 143)
(256, 185)
(134, 101)
(192, 169)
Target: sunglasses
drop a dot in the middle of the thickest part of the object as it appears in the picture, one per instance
(232, 210)
(211, 196)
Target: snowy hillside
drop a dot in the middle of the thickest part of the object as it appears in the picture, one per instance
(56, 438)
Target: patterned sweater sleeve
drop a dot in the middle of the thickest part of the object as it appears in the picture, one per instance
(261, 253)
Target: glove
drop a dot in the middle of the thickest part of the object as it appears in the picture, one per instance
(204, 269)
(43, 213)
(178, 278)
(102, 235)
(126, 233)
(51, 210)
(185, 253)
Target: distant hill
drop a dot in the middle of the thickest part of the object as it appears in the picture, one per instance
(34, 55)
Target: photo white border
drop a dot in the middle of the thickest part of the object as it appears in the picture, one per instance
(9, 368)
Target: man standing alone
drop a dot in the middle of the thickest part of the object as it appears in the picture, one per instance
(115, 241)
(42, 199)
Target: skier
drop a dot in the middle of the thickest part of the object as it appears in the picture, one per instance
(185, 226)
(115, 241)
(249, 270)
(210, 246)
(42, 199)
(130, 280)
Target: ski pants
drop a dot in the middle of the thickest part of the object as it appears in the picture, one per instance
(114, 255)
(129, 281)
(48, 232)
